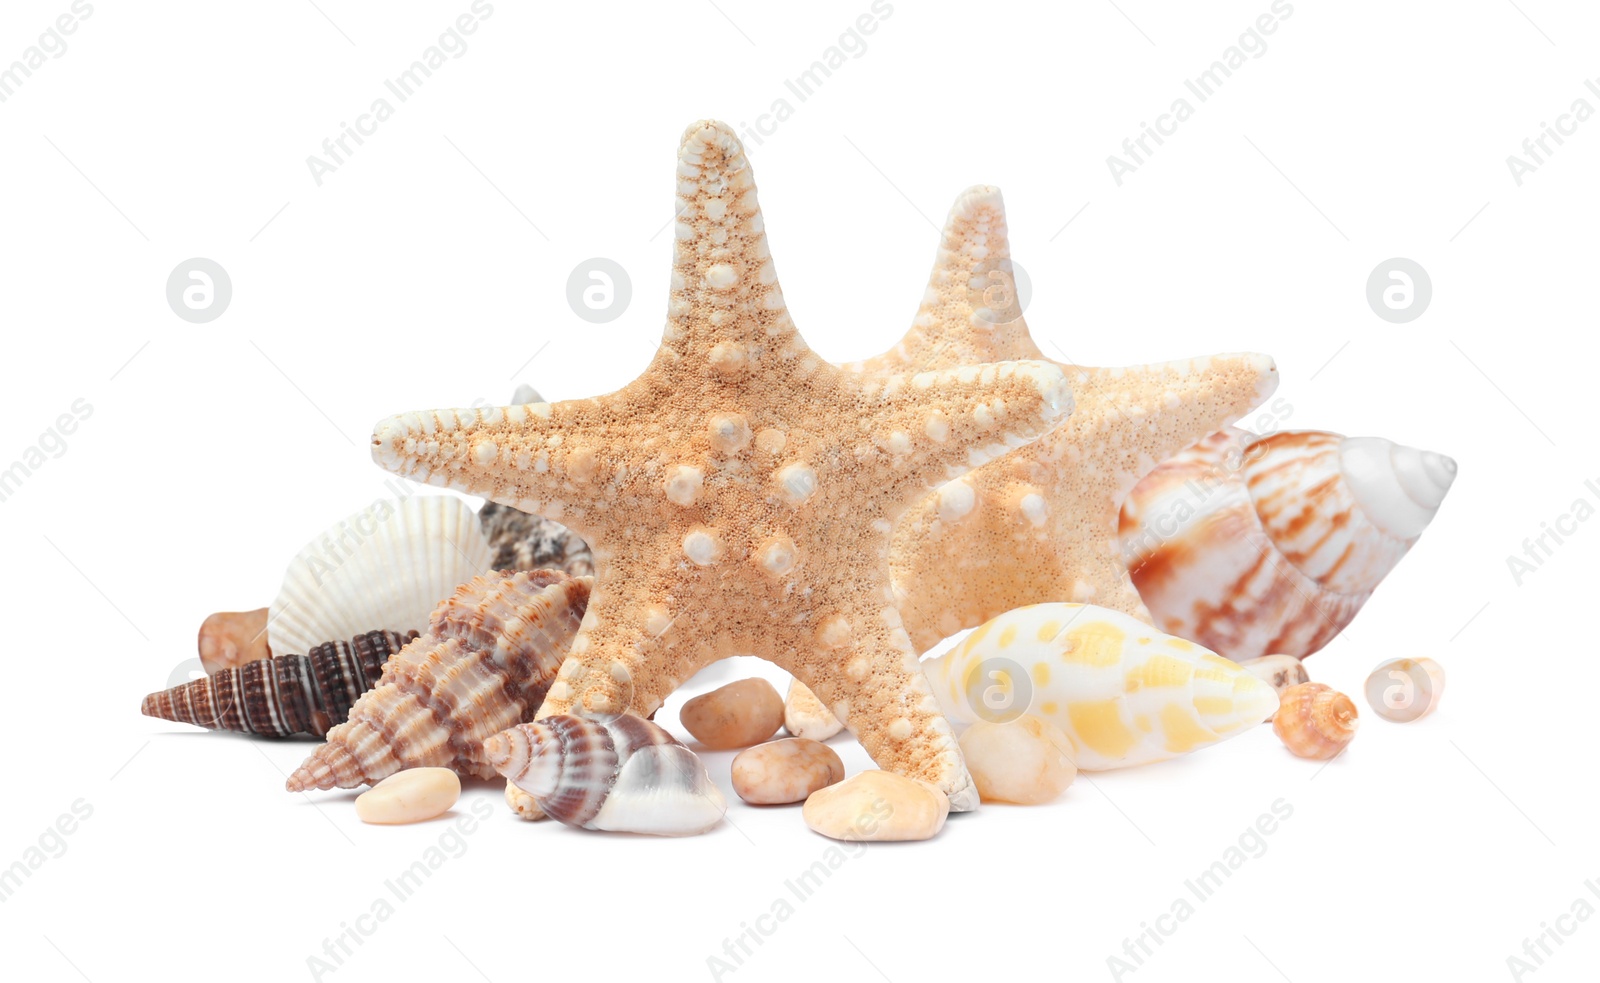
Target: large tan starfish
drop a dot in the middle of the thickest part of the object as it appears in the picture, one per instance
(1040, 523)
(739, 496)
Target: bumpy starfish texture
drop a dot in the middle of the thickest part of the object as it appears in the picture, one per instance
(1040, 523)
(740, 495)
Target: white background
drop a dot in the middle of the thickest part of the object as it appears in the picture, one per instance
(430, 268)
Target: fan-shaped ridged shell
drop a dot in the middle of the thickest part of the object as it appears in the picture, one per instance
(386, 567)
(484, 664)
(1255, 545)
(283, 695)
(620, 773)
(1122, 692)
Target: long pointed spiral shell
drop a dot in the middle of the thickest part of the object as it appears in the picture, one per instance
(620, 773)
(1123, 693)
(283, 695)
(1255, 545)
(490, 653)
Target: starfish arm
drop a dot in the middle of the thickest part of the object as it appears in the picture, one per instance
(537, 457)
(630, 653)
(924, 429)
(1144, 414)
(971, 311)
(864, 670)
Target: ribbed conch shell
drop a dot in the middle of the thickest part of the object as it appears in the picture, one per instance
(620, 773)
(1123, 693)
(284, 695)
(1255, 545)
(385, 567)
(490, 653)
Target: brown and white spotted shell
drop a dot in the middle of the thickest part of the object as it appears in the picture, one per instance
(620, 773)
(484, 664)
(1251, 545)
(530, 542)
(284, 695)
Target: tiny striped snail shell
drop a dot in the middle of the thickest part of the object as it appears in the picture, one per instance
(1403, 690)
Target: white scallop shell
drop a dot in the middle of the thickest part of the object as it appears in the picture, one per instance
(1123, 693)
(1255, 545)
(384, 568)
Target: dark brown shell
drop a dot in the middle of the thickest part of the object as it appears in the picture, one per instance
(284, 695)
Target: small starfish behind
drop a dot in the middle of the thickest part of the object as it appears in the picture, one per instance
(1040, 523)
(739, 496)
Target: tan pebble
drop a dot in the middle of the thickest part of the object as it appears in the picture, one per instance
(1315, 721)
(877, 806)
(409, 796)
(736, 715)
(229, 639)
(1027, 760)
(785, 771)
(1279, 671)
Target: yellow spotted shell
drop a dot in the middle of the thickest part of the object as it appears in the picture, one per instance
(1123, 693)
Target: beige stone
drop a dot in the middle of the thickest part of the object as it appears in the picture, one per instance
(877, 806)
(736, 715)
(409, 796)
(1027, 760)
(789, 770)
(805, 716)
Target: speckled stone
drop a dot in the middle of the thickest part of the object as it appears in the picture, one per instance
(789, 770)
(1027, 760)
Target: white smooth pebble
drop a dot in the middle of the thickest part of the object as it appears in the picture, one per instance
(409, 796)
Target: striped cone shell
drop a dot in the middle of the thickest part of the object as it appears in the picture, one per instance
(1256, 545)
(490, 653)
(285, 695)
(620, 773)
(1121, 691)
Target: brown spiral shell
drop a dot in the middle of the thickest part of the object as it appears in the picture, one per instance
(284, 695)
